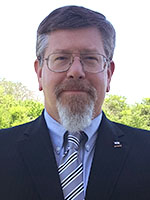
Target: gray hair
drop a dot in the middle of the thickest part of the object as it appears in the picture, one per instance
(74, 17)
(41, 45)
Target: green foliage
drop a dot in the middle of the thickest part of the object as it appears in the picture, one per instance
(137, 115)
(17, 90)
(18, 106)
(115, 106)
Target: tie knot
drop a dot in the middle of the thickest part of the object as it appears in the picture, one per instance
(74, 140)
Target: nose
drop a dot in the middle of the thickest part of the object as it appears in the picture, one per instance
(76, 70)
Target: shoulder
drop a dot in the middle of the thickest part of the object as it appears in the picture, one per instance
(130, 129)
(11, 138)
(138, 136)
(121, 129)
(11, 134)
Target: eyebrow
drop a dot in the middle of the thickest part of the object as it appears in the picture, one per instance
(84, 50)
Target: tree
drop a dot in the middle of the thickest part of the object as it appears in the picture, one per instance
(18, 106)
(19, 109)
(18, 90)
(137, 115)
(141, 114)
(115, 107)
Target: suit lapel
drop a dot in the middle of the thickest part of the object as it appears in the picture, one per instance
(37, 152)
(108, 161)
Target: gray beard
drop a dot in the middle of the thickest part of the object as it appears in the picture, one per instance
(77, 115)
(75, 111)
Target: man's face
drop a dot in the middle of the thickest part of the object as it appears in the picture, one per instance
(76, 87)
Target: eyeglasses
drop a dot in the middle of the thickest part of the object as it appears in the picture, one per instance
(91, 62)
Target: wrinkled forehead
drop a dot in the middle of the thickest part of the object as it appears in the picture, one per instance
(75, 40)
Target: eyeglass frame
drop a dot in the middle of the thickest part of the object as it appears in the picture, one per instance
(106, 61)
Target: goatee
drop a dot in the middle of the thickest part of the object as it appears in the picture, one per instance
(75, 110)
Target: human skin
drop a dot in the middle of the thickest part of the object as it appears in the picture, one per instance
(74, 41)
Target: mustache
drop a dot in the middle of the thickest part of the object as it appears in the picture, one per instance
(80, 85)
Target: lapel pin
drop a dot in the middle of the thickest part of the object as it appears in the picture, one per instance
(117, 144)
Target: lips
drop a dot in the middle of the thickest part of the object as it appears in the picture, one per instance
(75, 86)
(74, 92)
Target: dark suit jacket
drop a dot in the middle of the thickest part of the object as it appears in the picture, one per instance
(28, 169)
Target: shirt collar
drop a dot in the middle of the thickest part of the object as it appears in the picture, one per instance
(91, 132)
(57, 132)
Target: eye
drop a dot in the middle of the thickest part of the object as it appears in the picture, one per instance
(90, 58)
(60, 58)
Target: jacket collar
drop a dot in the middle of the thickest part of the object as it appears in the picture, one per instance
(37, 152)
(110, 154)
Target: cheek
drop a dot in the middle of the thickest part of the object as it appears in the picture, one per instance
(47, 82)
(100, 83)
(50, 81)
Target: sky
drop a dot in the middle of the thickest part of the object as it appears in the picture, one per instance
(19, 21)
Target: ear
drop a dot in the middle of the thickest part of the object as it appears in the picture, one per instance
(38, 70)
(110, 71)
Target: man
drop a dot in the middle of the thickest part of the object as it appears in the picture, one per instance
(74, 67)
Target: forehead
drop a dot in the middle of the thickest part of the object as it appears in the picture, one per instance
(76, 40)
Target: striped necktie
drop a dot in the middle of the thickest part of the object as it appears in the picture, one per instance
(71, 170)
